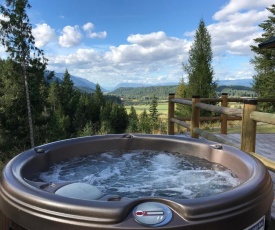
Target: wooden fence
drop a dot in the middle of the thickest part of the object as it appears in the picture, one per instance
(248, 114)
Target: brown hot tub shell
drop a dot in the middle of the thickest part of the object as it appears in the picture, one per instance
(31, 207)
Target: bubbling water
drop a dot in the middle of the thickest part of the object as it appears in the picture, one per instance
(141, 173)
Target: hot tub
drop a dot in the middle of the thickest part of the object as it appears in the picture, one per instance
(27, 204)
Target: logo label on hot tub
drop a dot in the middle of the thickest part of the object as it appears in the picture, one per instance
(152, 214)
(259, 225)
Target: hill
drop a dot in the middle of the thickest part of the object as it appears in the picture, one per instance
(80, 83)
(162, 92)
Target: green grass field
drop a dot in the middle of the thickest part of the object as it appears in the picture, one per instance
(233, 126)
(162, 108)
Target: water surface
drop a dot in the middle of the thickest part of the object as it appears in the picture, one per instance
(142, 173)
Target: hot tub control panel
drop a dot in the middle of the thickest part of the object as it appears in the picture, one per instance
(152, 214)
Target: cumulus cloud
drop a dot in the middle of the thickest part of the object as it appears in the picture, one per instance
(146, 48)
(71, 36)
(159, 62)
(43, 34)
(147, 40)
(236, 5)
(79, 59)
(89, 28)
(2, 17)
(237, 26)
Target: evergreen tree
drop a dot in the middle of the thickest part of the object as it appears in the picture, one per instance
(68, 99)
(118, 119)
(181, 110)
(13, 125)
(144, 123)
(264, 63)
(98, 104)
(133, 120)
(199, 69)
(105, 121)
(16, 36)
(153, 109)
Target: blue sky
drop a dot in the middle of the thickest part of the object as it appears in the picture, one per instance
(144, 41)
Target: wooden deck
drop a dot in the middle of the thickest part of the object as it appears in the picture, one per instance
(265, 146)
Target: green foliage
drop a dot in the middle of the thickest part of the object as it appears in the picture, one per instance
(16, 37)
(199, 69)
(118, 119)
(153, 109)
(182, 110)
(145, 123)
(133, 120)
(264, 63)
(144, 93)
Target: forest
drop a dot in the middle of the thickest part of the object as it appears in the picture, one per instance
(161, 92)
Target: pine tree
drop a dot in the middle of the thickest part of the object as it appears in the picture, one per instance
(144, 123)
(199, 69)
(133, 120)
(153, 109)
(69, 100)
(13, 125)
(98, 105)
(118, 119)
(182, 110)
(264, 63)
(16, 37)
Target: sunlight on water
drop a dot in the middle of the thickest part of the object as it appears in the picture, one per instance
(142, 173)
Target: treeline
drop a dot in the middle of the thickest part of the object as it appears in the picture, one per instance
(162, 92)
(61, 111)
(236, 91)
(144, 93)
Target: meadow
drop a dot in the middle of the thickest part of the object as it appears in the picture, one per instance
(213, 127)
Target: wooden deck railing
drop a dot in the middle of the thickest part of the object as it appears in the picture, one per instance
(248, 114)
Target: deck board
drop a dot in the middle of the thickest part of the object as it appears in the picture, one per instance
(265, 146)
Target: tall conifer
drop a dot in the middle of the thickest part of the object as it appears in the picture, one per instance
(16, 36)
(264, 63)
(199, 69)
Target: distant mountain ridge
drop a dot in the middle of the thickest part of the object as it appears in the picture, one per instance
(242, 82)
(88, 86)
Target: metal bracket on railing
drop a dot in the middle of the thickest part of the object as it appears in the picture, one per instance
(127, 135)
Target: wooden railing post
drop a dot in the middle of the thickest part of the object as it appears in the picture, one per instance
(248, 140)
(171, 112)
(224, 116)
(195, 117)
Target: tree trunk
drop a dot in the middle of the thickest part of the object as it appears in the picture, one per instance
(28, 106)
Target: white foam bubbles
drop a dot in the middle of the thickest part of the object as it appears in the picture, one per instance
(145, 173)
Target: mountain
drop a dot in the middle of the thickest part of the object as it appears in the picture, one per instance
(132, 85)
(81, 83)
(242, 82)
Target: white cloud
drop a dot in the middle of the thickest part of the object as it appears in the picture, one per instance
(43, 35)
(2, 17)
(147, 40)
(71, 36)
(89, 27)
(237, 26)
(137, 61)
(148, 48)
(236, 5)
